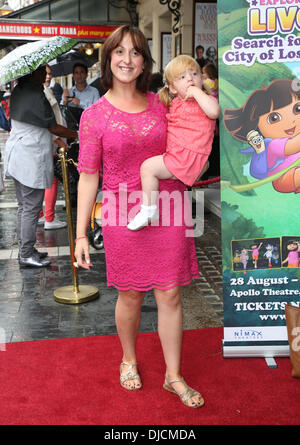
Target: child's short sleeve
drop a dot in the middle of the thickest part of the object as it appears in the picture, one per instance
(90, 142)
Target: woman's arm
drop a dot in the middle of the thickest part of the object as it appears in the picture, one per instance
(63, 132)
(208, 104)
(87, 191)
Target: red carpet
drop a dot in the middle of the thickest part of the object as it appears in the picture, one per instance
(75, 382)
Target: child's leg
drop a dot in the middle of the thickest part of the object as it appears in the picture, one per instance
(152, 170)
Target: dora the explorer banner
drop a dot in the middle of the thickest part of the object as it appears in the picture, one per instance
(259, 66)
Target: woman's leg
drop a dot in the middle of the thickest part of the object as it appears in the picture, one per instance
(50, 200)
(170, 334)
(128, 316)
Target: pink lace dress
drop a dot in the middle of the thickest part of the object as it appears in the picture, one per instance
(189, 141)
(115, 142)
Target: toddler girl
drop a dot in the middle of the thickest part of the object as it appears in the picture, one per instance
(191, 124)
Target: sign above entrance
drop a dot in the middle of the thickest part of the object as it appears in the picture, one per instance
(22, 30)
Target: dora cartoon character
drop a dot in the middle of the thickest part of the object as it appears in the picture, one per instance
(254, 248)
(273, 113)
(293, 247)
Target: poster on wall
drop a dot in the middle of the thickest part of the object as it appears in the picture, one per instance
(206, 30)
(259, 90)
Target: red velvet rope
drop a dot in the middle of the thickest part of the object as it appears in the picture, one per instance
(208, 181)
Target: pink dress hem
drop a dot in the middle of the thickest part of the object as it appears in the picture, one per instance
(154, 286)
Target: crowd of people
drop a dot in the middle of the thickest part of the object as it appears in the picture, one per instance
(150, 142)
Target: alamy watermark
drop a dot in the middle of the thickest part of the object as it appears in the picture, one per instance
(175, 208)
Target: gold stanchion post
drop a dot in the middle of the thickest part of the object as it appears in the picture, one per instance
(72, 294)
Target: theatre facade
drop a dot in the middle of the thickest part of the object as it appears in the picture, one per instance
(171, 27)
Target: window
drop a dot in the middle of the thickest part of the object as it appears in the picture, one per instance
(64, 10)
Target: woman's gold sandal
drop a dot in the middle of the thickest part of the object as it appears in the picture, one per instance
(129, 375)
(186, 395)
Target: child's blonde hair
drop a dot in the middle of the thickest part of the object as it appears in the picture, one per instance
(173, 69)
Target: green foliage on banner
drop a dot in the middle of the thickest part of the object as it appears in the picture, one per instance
(232, 20)
(235, 85)
(228, 6)
(247, 79)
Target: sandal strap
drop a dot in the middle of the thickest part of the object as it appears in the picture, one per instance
(130, 374)
(188, 393)
(169, 382)
(128, 364)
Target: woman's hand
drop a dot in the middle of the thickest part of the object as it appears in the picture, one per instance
(82, 254)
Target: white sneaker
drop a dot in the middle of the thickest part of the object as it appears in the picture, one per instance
(143, 218)
(41, 221)
(55, 224)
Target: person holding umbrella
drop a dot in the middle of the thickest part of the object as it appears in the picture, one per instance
(29, 158)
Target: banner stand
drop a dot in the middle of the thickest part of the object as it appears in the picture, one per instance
(255, 351)
(271, 362)
(259, 94)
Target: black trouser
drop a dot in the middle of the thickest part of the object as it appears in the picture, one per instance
(30, 202)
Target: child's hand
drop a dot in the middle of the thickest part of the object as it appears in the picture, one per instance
(206, 102)
(191, 91)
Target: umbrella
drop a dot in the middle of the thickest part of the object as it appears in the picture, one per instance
(28, 57)
(63, 65)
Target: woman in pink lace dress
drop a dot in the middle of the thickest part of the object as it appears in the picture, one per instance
(117, 133)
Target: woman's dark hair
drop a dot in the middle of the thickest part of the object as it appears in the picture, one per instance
(140, 44)
(239, 121)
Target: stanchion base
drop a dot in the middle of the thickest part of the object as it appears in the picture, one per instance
(67, 295)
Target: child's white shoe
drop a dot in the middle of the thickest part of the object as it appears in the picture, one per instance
(146, 215)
